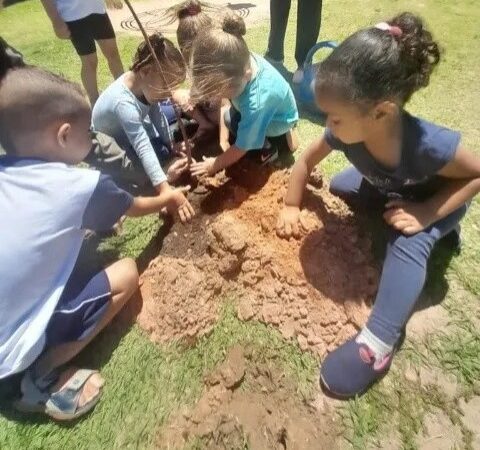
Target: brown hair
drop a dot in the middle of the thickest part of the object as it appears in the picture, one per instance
(220, 56)
(31, 99)
(168, 55)
(192, 20)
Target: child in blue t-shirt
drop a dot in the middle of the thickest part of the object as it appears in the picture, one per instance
(50, 306)
(418, 172)
(263, 114)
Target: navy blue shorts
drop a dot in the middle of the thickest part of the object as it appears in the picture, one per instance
(83, 304)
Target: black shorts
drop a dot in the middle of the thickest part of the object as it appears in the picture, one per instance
(84, 32)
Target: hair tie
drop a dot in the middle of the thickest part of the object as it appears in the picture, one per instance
(392, 29)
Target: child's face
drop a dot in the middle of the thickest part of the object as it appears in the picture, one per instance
(347, 122)
(154, 88)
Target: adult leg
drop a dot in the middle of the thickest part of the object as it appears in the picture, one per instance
(279, 11)
(308, 27)
(89, 75)
(109, 49)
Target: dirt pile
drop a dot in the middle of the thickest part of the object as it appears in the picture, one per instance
(264, 413)
(316, 289)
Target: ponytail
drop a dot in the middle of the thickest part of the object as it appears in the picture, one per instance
(392, 60)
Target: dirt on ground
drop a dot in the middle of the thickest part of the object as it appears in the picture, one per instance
(244, 404)
(315, 290)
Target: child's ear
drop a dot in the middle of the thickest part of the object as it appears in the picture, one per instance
(384, 109)
(62, 134)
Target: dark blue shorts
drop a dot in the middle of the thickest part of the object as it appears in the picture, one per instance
(83, 304)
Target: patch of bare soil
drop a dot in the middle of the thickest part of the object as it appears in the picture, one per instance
(249, 405)
(316, 290)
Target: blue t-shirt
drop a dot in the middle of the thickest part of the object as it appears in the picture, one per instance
(45, 208)
(267, 107)
(426, 148)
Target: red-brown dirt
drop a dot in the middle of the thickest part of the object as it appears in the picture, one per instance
(316, 290)
(266, 415)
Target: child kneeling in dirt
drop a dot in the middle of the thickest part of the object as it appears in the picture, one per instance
(49, 306)
(415, 172)
(130, 111)
(264, 113)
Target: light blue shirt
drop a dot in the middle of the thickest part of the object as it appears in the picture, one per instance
(122, 116)
(267, 107)
(41, 210)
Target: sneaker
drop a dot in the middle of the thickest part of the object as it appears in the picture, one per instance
(454, 239)
(351, 369)
(268, 155)
(297, 76)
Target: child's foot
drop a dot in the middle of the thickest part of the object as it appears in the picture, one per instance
(297, 76)
(268, 154)
(454, 239)
(75, 393)
(352, 368)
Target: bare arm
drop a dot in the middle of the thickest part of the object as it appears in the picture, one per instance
(316, 152)
(464, 183)
(289, 221)
(463, 174)
(172, 199)
(224, 132)
(210, 166)
(59, 26)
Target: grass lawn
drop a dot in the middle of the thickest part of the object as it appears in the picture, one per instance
(146, 382)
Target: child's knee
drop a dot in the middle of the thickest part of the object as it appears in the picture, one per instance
(123, 277)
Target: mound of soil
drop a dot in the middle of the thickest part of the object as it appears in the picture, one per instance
(264, 414)
(316, 289)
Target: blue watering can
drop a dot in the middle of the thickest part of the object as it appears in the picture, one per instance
(304, 91)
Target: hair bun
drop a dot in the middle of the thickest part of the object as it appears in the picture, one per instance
(188, 9)
(233, 24)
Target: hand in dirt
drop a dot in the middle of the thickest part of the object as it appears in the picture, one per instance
(61, 30)
(290, 223)
(176, 202)
(177, 168)
(182, 98)
(408, 217)
(203, 168)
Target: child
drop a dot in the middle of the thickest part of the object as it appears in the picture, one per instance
(264, 112)
(50, 307)
(193, 20)
(418, 171)
(85, 22)
(128, 110)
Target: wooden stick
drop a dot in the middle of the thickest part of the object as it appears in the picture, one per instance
(159, 66)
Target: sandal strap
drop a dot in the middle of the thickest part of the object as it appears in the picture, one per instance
(66, 399)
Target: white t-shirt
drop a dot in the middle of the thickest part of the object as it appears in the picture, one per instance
(71, 10)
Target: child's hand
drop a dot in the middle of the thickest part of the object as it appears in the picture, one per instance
(289, 222)
(203, 168)
(408, 217)
(176, 202)
(177, 168)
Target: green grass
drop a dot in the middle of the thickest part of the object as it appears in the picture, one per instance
(146, 382)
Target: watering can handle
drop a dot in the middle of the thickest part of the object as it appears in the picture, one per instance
(316, 47)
